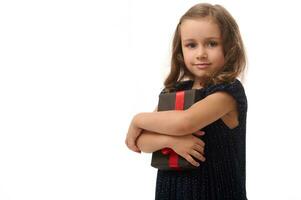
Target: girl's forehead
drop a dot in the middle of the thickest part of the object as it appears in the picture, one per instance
(199, 29)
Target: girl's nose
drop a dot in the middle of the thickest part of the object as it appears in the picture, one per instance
(201, 53)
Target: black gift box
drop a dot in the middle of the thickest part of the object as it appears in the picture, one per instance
(167, 159)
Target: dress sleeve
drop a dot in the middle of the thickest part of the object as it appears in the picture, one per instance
(236, 90)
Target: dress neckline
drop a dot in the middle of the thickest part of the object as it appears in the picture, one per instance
(191, 82)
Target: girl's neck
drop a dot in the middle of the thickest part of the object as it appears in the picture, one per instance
(197, 85)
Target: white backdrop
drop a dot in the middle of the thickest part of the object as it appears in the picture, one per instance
(73, 74)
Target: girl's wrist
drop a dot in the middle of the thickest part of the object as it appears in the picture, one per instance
(170, 141)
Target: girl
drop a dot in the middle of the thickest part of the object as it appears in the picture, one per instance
(208, 51)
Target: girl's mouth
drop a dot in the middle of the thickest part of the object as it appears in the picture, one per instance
(202, 66)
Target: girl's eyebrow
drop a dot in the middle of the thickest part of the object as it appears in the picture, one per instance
(205, 38)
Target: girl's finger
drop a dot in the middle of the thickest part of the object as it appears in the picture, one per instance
(138, 151)
(200, 133)
(191, 160)
(199, 149)
(197, 155)
(200, 142)
(134, 148)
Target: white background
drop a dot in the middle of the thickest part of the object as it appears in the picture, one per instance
(73, 74)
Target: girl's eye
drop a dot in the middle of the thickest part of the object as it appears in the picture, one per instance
(212, 43)
(190, 45)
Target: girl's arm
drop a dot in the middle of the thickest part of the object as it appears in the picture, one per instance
(185, 122)
(164, 122)
(149, 142)
(187, 146)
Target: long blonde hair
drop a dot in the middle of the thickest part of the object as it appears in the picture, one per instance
(233, 48)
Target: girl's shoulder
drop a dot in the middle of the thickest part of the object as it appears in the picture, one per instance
(234, 88)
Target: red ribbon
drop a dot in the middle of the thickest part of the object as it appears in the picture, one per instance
(173, 161)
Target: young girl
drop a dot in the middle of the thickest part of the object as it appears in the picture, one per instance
(208, 51)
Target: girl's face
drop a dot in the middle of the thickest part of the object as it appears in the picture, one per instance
(202, 47)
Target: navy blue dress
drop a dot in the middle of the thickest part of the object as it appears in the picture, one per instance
(222, 176)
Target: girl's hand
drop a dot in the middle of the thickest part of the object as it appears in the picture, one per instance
(132, 135)
(188, 146)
